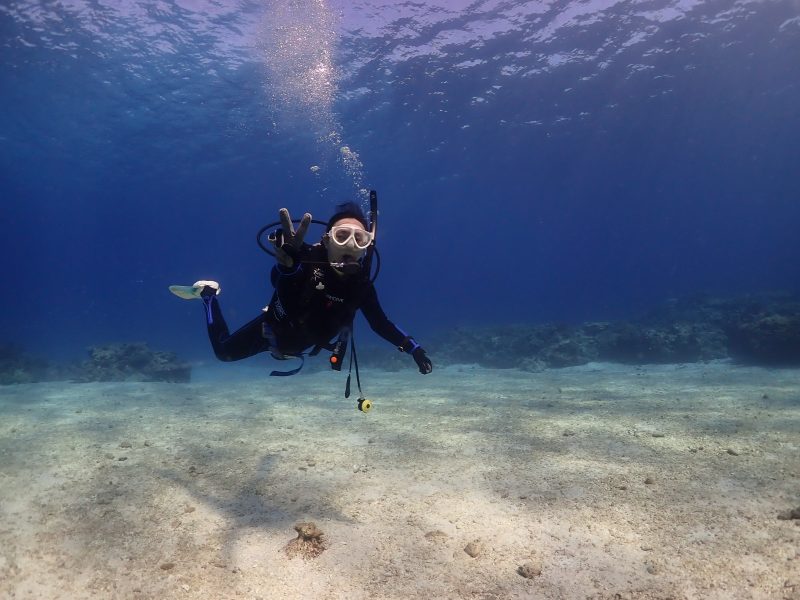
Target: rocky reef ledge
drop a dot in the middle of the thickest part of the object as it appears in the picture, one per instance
(110, 362)
(133, 362)
(762, 330)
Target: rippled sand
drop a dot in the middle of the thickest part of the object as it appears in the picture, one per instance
(650, 482)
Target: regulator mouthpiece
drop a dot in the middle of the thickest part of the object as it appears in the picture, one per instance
(348, 268)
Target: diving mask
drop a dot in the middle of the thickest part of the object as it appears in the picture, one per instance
(341, 235)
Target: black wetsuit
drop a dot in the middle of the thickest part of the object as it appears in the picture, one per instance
(311, 305)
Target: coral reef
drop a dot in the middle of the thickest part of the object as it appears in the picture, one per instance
(510, 346)
(113, 362)
(761, 330)
(769, 338)
(133, 362)
(676, 343)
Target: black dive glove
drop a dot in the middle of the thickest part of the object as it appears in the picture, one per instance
(410, 346)
(287, 241)
(423, 362)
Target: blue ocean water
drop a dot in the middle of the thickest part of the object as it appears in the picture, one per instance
(552, 160)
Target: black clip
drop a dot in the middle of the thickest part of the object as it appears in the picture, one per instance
(339, 350)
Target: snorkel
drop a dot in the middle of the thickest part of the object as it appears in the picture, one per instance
(373, 229)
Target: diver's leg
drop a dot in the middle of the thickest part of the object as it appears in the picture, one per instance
(242, 343)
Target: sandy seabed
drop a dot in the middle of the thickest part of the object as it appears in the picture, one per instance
(607, 481)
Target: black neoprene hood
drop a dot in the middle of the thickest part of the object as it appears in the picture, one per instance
(348, 210)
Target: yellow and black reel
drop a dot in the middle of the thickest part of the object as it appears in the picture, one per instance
(364, 405)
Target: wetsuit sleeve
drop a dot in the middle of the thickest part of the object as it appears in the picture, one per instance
(378, 320)
(279, 271)
(296, 271)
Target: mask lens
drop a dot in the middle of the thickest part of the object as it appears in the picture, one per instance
(341, 234)
(362, 238)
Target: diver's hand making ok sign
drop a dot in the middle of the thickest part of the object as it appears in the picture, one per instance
(287, 241)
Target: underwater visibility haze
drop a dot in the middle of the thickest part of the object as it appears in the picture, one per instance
(588, 219)
(538, 161)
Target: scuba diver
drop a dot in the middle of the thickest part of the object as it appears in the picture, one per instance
(318, 290)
